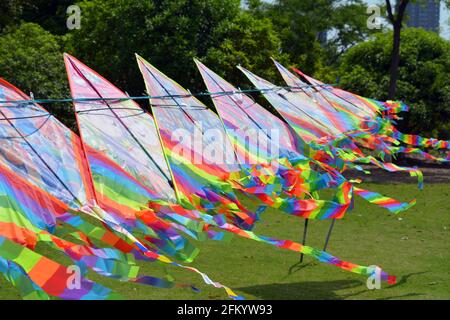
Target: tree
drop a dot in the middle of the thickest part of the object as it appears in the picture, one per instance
(169, 33)
(11, 11)
(49, 14)
(31, 59)
(301, 23)
(423, 81)
(249, 42)
(396, 15)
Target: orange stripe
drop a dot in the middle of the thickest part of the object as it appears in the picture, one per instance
(18, 234)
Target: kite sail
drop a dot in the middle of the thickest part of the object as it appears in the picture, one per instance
(40, 192)
(122, 131)
(389, 109)
(303, 115)
(136, 186)
(257, 134)
(311, 123)
(201, 158)
(172, 104)
(344, 119)
(48, 191)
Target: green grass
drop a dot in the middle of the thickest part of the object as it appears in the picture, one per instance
(414, 246)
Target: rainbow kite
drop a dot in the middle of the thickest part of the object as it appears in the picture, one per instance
(47, 197)
(140, 186)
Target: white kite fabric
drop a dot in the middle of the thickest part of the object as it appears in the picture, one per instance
(119, 129)
(240, 113)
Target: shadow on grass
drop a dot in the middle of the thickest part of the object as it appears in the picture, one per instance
(404, 279)
(319, 290)
(408, 295)
(309, 290)
(298, 267)
(314, 290)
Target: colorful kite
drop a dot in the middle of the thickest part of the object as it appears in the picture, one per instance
(363, 118)
(281, 185)
(241, 111)
(206, 222)
(137, 186)
(307, 119)
(47, 191)
(191, 219)
(41, 191)
(346, 101)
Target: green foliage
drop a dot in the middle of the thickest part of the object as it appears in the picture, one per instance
(31, 59)
(423, 82)
(300, 23)
(249, 42)
(11, 11)
(50, 14)
(169, 34)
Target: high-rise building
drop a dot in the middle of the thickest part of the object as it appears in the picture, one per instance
(424, 14)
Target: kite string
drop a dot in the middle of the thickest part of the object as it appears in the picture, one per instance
(169, 96)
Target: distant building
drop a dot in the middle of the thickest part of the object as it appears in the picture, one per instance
(424, 15)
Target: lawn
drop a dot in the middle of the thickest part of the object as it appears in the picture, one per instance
(414, 246)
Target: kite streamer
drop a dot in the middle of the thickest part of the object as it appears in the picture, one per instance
(192, 116)
(136, 187)
(37, 194)
(389, 109)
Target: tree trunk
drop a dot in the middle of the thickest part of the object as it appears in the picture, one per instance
(395, 60)
(397, 21)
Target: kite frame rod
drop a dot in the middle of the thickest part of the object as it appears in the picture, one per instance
(173, 98)
(39, 156)
(238, 105)
(330, 230)
(122, 123)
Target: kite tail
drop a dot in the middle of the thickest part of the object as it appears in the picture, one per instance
(347, 150)
(391, 167)
(150, 254)
(219, 221)
(104, 261)
(292, 188)
(31, 216)
(319, 255)
(53, 278)
(418, 141)
(390, 204)
(15, 274)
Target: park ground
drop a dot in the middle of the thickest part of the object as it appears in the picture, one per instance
(413, 245)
